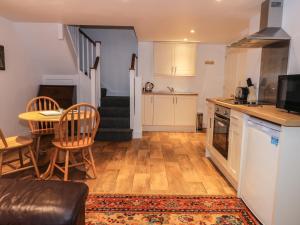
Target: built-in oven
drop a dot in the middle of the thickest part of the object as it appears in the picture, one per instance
(221, 130)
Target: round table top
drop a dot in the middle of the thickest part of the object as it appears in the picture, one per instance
(36, 116)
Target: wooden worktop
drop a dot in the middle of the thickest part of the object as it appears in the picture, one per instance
(266, 112)
(168, 93)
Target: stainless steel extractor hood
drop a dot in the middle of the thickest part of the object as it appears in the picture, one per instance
(270, 27)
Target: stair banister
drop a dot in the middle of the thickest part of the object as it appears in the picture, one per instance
(88, 55)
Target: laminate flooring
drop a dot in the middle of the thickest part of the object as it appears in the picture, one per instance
(159, 163)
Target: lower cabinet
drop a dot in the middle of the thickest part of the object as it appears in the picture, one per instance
(169, 112)
(185, 110)
(235, 143)
(148, 102)
(210, 124)
(163, 110)
(230, 167)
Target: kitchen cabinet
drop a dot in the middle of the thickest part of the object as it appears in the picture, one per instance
(148, 109)
(235, 143)
(210, 124)
(175, 59)
(163, 110)
(184, 59)
(184, 110)
(169, 112)
(163, 58)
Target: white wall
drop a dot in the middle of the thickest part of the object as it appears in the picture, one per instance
(18, 83)
(209, 80)
(49, 54)
(291, 26)
(117, 47)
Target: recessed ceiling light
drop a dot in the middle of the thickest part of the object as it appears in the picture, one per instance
(192, 31)
(185, 39)
(218, 0)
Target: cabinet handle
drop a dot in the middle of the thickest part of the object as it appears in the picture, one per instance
(210, 123)
(173, 101)
(175, 70)
(172, 69)
(176, 99)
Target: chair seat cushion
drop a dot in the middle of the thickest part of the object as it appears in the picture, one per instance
(33, 202)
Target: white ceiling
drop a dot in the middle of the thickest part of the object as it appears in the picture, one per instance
(154, 20)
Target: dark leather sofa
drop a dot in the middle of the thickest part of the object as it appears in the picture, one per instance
(33, 202)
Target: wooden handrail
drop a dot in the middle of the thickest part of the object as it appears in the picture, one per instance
(96, 63)
(133, 60)
(87, 37)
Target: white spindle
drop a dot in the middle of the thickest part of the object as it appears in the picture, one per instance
(87, 57)
(92, 54)
(83, 54)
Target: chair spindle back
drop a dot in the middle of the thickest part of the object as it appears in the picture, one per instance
(2, 138)
(41, 103)
(78, 125)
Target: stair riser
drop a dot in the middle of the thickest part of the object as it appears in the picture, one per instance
(114, 112)
(114, 136)
(108, 102)
(115, 123)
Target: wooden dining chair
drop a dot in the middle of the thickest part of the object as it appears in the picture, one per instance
(77, 130)
(39, 129)
(16, 143)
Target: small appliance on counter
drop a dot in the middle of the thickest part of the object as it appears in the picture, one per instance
(288, 93)
(148, 87)
(252, 98)
(241, 95)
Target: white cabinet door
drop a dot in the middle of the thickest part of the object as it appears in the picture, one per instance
(148, 109)
(210, 123)
(163, 58)
(185, 110)
(163, 110)
(185, 59)
(235, 145)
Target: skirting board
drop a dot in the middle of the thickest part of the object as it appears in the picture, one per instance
(191, 129)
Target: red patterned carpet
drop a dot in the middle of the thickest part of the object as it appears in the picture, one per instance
(156, 210)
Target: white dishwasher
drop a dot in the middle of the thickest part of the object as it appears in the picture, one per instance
(260, 168)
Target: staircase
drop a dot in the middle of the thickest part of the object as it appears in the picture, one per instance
(115, 119)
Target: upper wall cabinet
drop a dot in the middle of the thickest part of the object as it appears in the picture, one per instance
(175, 59)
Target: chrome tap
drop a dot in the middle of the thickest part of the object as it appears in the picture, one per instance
(171, 89)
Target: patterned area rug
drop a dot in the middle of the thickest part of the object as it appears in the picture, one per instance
(156, 210)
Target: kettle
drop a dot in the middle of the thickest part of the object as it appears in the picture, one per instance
(148, 87)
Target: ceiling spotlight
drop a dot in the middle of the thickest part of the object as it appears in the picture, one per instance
(192, 31)
(185, 39)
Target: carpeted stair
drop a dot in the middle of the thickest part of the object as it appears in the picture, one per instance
(115, 119)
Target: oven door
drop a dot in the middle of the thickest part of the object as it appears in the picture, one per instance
(221, 134)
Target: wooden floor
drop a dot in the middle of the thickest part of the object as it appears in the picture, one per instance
(159, 163)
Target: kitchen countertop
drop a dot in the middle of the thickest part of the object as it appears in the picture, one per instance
(266, 112)
(168, 93)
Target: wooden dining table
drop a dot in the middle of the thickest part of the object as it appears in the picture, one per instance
(37, 116)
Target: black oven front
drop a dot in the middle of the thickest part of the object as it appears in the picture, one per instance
(221, 130)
